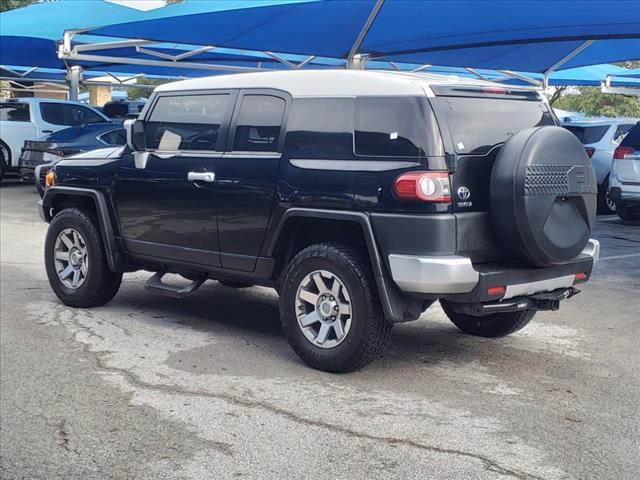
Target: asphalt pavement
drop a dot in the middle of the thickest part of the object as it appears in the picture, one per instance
(149, 387)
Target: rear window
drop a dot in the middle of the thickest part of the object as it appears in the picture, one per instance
(396, 127)
(68, 114)
(477, 124)
(114, 137)
(591, 134)
(633, 138)
(14, 112)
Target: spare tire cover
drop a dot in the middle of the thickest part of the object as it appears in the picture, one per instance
(543, 195)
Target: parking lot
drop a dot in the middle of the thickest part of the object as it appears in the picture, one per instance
(150, 387)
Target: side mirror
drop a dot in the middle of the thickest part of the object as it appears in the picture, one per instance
(135, 135)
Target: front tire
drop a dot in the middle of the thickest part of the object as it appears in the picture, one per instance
(76, 263)
(490, 326)
(330, 310)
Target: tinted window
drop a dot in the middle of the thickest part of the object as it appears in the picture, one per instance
(477, 124)
(259, 123)
(320, 128)
(395, 127)
(633, 138)
(587, 135)
(116, 109)
(114, 137)
(66, 114)
(14, 112)
(621, 132)
(187, 122)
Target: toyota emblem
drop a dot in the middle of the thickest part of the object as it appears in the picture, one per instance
(463, 193)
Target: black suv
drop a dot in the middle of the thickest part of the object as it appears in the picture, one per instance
(362, 197)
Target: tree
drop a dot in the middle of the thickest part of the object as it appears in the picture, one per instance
(11, 4)
(591, 101)
(136, 92)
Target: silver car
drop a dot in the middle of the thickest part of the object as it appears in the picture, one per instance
(624, 184)
(600, 138)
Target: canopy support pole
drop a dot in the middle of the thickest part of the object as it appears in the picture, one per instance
(74, 75)
(562, 61)
(422, 67)
(363, 33)
(519, 76)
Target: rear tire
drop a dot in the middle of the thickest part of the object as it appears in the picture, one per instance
(629, 214)
(491, 326)
(4, 160)
(323, 279)
(95, 283)
(605, 204)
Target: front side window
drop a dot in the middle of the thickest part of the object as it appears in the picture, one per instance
(68, 115)
(14, 112)
(114, 137)
(187, 122)
(259, 123)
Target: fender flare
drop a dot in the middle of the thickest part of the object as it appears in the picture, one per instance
(115, 257)
(397, 307)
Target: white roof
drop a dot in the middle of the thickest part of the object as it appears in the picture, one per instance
(326, 83)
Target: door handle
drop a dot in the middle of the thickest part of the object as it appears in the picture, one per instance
(201, 176)
(47, 131)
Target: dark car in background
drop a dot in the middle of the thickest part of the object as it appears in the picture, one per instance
(120, 110)
(65, 143)
(625, 176)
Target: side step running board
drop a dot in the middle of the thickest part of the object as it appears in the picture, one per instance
(155, 284)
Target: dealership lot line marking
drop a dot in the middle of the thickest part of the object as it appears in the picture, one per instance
(616, 257)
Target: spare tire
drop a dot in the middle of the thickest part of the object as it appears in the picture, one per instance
(543, 196)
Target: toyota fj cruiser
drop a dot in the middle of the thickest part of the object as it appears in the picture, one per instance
(362, 197)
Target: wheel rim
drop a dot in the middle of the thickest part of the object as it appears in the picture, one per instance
(610, 204)
(71, 258)
(323, 309)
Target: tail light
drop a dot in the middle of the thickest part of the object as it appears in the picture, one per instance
(424, 186)
(590, 151)
(620, 152)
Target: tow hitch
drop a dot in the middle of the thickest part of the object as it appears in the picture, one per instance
(539, 301)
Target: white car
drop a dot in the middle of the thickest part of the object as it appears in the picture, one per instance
(600, 138)
(23, 119)
(624, 185)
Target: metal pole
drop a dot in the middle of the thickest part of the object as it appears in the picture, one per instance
(74, 76)
(363, 33)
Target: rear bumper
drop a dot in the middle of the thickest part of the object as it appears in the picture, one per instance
(456, 278)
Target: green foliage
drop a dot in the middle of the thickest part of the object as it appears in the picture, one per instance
(11, 4)
(591, 101)
(135, 93)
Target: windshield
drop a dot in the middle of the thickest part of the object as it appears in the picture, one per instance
(477, 124)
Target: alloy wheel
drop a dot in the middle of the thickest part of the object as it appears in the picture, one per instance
(71, 258)
(323, 309)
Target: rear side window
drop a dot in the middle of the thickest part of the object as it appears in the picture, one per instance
(477, 124)
(621, 132)
(590, 134)
(395, 127)
(633, 138)
(114, 137)
(14, 112)
(66, 114)
(187, 122)
(259, 123)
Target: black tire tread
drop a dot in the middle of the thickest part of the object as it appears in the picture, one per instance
(491, 326)
(101, 284)
(379, 329)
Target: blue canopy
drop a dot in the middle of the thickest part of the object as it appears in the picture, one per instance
(26, 40)
(530, 36)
